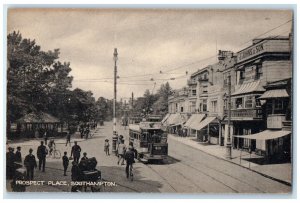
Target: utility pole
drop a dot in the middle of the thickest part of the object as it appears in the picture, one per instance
(228, 143)
(132, 100)
(115, 90)
(115, 136)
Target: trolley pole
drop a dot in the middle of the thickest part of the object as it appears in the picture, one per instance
(228, 143)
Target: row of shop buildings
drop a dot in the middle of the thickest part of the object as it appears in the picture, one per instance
(258, 81)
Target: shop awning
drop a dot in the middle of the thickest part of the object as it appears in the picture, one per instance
(248, 88)
(195, 119)
(175, 119)
(279, 93)
(204, 123)
(266, 135)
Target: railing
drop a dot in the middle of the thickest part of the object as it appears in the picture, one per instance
(192, 82)
(286, 125)
(245, 113)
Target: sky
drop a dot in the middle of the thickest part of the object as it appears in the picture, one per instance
(154, 46)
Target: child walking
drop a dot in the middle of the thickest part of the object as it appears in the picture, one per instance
(65, 163)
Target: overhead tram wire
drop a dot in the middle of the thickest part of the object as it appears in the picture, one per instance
(268, 31)
(193, 63)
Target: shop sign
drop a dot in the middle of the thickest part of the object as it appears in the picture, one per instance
(250, 52)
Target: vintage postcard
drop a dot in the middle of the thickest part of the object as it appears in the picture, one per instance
(182, 101)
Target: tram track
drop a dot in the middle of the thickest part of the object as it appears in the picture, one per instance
(185, 177)
(208, 175)
(148, 166)
(203, 164)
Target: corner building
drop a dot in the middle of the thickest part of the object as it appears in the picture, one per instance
(266, 60)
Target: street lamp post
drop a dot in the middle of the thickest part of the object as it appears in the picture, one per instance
(228, 143)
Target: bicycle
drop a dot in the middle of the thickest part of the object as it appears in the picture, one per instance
(56, 154)
(131, 172)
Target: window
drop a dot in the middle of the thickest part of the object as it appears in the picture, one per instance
(258, 72)
(225, 78)
(181, 109)
(204, 89)
(192, 107)
(248, 102)
(257, 101)
(278, 104)
(204, 105)
(214, 106)
(242, 75)
(239, 103)
(194, 92)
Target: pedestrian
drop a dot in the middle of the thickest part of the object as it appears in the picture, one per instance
(65, 160)
(106, 147)
(68, 139)
(30, 164)
(46, 137)
(18, 155)
(133, 149)
(84, 157)
(41, 154)
(51, 146)
(75, 152)
(87, 132)
(10, 163)
(76, 174)
(121, 152)
(129, 157)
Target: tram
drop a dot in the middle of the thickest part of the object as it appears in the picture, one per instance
(150, 140)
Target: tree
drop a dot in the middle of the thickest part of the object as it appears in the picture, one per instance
(161, 104)
(28, 76)
(36, 80)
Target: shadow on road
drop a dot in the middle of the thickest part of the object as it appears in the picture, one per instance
(263, 161)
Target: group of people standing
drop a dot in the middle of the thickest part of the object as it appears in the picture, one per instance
(84, 129)
(30, 161)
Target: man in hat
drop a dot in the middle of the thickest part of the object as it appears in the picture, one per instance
(10, 163)
(75, 152)
(41, 154)
(30, 164)
(18, 155)
(129, 157)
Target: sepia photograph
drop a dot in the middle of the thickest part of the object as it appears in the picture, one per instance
(149, 100)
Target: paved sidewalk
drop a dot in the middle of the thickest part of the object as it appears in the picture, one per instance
(281, 172)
